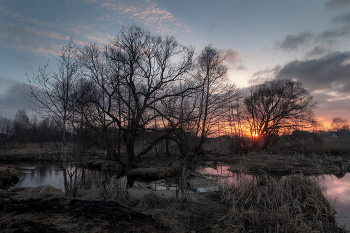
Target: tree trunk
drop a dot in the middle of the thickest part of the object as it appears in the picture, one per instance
(129, 144)
(64, 163)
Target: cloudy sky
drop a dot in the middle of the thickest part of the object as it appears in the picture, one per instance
(304, 40)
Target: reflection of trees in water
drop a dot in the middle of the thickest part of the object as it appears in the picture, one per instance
(43, 171)
(89, 177)
(340, 174)
(32, 175)
(44, 174)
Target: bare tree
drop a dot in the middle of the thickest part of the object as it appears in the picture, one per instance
(236, 133)
(21, 125)
(202, 111)
(135, 74)
(6, 126)
(340, 124)
(216, 94)
(194, 115)
(275, 106)
(51, 94)
(6, 129)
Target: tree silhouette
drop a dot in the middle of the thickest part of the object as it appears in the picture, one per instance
(275, 106)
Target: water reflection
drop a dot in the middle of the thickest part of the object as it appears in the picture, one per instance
(36, 174)
(222, 174)
(337, 190)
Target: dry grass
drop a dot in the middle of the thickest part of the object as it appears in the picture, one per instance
(40, 152)
(194, 215)
(291, 164)
(292, 204)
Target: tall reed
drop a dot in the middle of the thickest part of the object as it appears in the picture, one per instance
(265, 204)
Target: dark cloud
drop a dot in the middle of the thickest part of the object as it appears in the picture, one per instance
(327, 38)
(294, 41)
(269, 72)
(330, 106)
(343, 18)
(336, 3)
(329, 73)
(327, 79)
(264, 75)
(318, 50)
(331, 34)
(13, 98)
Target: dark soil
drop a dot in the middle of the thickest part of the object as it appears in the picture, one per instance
(62, 215)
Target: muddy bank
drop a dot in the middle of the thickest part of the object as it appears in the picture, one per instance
(62, 215)
(8, 176)
(32, 155)
(46, 209)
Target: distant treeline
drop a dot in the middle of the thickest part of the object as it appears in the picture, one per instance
(21, 129)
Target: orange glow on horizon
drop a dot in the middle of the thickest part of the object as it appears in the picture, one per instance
(327, 124)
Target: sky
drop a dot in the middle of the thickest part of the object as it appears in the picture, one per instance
(307, 41)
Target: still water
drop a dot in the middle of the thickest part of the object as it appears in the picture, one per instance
(337, 190)
(36, 174)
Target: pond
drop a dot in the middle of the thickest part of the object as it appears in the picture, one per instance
(337, 190)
